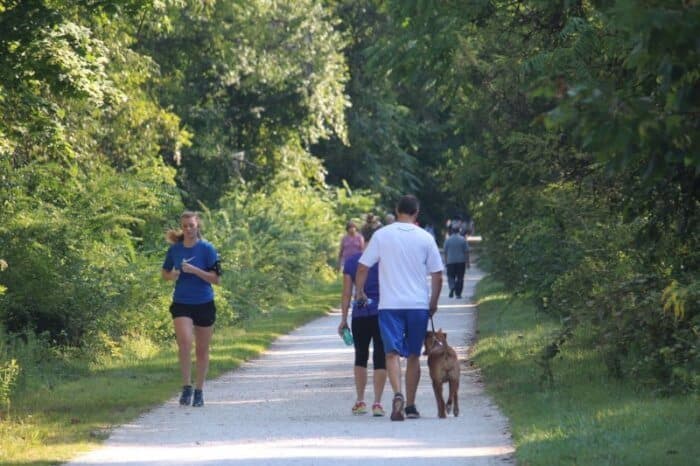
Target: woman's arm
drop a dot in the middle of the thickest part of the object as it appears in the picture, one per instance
(207, 275)
(340, 254)
(173, 274)
(340, 249)
(345, 303)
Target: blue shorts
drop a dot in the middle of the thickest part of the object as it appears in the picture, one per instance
(403, 330)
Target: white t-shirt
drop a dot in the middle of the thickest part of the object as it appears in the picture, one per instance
(406, 254)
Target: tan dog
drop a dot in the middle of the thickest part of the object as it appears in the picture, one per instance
(444, 367)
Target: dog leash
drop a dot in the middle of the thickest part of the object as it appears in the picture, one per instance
(435, 341)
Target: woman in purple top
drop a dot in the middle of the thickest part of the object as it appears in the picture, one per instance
(352, 243)
(365, 329)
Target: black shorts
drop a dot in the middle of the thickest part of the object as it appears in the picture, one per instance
(202, 315)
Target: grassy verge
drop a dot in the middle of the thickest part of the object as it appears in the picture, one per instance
(585, 417)
(73, 414)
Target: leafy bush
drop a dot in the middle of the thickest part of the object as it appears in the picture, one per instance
(73, 263)
(272, 243)
(9, 370)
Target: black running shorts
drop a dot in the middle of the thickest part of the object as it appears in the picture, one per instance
(202, 315)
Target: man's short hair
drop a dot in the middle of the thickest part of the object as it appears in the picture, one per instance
(408, 205)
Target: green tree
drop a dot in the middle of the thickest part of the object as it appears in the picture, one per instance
(257, 83)
(81, 149)
(571, 129)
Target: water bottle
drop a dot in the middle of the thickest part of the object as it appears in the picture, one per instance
(347, 336)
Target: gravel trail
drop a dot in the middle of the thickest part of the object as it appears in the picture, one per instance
(291, 406)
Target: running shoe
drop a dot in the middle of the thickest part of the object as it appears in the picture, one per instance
(397, 408)
(359, 408)
(186, 397)
(377, 410)
(412, 412)
(198, 401)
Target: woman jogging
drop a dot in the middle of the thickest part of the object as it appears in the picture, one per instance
(193, 264)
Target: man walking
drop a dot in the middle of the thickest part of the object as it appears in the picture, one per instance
(456, 259)
(407, 254)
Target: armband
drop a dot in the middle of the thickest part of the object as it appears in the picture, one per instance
(216, 268)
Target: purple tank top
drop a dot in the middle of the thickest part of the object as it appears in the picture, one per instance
(351, 245)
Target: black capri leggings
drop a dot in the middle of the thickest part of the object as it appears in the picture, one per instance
(364, 330)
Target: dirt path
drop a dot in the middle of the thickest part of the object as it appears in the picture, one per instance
(292, 406)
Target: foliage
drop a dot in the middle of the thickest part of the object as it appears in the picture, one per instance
(258, 82)
(576, 143)
(9, 370)
(398, 137)
(569, 128)
(272, 243)
(354, 203)
(585, 416)
(108, 126)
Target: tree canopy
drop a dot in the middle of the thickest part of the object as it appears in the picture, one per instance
(567, 129)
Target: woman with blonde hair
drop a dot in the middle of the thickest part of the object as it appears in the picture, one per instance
(193, 264)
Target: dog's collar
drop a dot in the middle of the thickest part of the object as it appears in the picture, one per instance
(437, 345)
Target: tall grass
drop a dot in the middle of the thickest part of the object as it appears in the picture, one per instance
(583, 417)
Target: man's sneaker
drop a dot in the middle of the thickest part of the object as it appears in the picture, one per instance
(186, 397)
(198, 401)
(397, 408)
(377, 410)
(359, 408)
(412, 412)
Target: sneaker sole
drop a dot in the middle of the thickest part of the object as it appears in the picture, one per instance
(186, 400)
(397, 409)
(359, 410)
